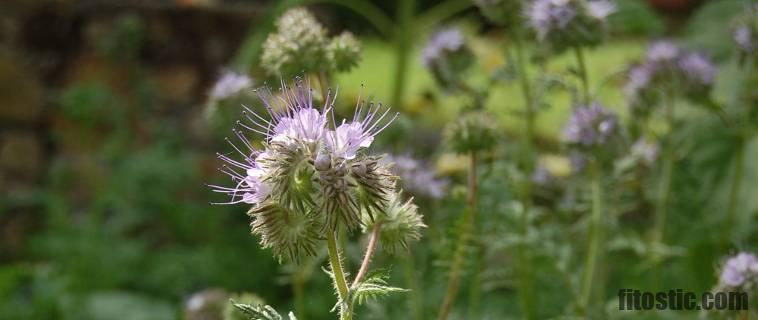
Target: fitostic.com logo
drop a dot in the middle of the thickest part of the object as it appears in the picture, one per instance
(678, 299)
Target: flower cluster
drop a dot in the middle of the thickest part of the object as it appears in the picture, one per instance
(447, 56)
(740, 272)
(300, 44)
(590, 127)
(416, 177)
(310, 177)
(564, 24)
(506, 13)
(668, 66)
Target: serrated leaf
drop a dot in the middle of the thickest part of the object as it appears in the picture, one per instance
(374, 286)
(260, 312)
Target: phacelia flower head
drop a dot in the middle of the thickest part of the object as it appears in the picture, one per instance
(740, 272)
(590, 127)
(645, 151)
(311, 175)
(506, 13)
(229, 84)
(668, 69)
(563, 24)
(447, 56)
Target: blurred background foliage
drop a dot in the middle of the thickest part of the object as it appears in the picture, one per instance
(106, 146)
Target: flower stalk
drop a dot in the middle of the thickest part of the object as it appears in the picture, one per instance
(372, 241)
(594, 239)
(335, 261)
(525, 283)
(664, 191)
(734, 191)
(582, 73)
(469, 218)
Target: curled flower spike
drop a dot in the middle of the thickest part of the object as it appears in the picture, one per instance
(399, 226)
(447, 56)
(344, 52)
(475, 131)
(505, 13)
(745, 32)
(311, 176)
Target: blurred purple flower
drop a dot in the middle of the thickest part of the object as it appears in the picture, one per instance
(639, 78)
(445, 40)
(738, 269)
(601, 9)
(662, 51)
(590, 126)
(698, 68)
(545, 15)
(541, 176)
(229, 84)
(416, 176)
(743, 36)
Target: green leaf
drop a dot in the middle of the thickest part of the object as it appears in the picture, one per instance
(260, 312)
(374, 286)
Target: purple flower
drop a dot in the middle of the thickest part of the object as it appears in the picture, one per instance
(600, 9)
(249, 187)
(639, 78)
(738, 269)
(545, 15)
(662, 51)
(590, 126)
(444, 41)
(743, 36)
(541, 176)
(417, 177)
(698, 68)
(229, 84)
(292, 115)
(345, 141)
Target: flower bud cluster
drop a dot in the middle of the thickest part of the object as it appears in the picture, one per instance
(668, 66)
(313, 174)
(474, 131)
(563, 24)
(300, 44)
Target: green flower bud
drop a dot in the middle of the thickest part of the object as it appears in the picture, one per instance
(344, 52)
(289, 234)
(506, 13)
(298, 45)
(474, 131)
(400, 224)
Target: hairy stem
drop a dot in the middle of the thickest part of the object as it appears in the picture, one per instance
(339, 276)
(469, 216)
(583, 77)
(664, 190)
(372, 241)
(525, 281)
(734, 192)
(594, 239)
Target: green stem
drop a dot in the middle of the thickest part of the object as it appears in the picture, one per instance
(339, 277)
(299, 292)
(402, 48)
(469, 218)
(525, 283)
(579, 53)
(664, 191)
(594, 239)
(414, 303)
(734, 192)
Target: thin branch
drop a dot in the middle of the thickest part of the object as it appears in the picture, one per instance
(372, 241)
